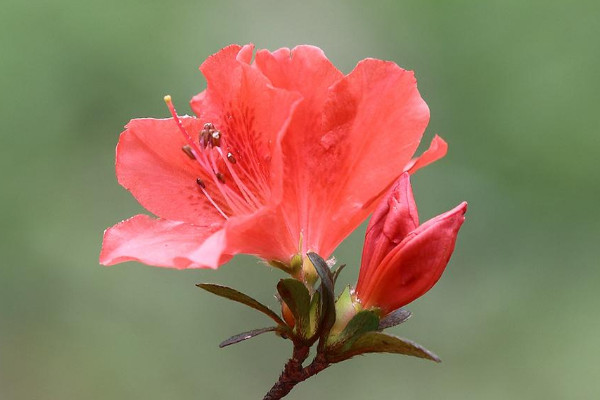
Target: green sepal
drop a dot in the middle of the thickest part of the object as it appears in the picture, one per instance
(297, 298)
(327, 295)
(240, 297)
(247, 335)
(378, 342)
(394, 318)
(345, 310)
(280, 265)
(364, 321)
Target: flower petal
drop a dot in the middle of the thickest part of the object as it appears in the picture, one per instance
(375, 116)
(162, 243)
(415, 265)
(437, 149)
(251, 114)
(306, 70)
(395, 217)
(265, 234)
(152, 166)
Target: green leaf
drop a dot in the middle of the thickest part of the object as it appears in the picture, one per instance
(313, 314)
(378, 342)
(363, 322)
(297, 298)
(326, 290)
(394, 318)
(240, 297)
(246, 335)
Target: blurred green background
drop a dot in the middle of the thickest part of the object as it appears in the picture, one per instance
(513, 87)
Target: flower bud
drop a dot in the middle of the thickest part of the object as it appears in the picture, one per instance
(402, 260)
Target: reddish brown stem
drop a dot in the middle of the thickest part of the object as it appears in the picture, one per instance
(293, 372)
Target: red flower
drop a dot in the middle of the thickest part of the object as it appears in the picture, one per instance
(401, 260)
(285, 155)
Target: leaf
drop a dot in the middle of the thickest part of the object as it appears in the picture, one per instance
(336, 273)
(297, 298)
(246, 335)
(313, 314)
(378, 342)
(394, 318)
(240, 297)
(363, 322)
(327, 294)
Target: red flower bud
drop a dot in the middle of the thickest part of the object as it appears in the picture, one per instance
(402, 260)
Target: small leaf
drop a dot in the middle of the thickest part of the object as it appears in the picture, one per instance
(313, 314)
(240, 297)
(336, 273)
(394, 318)
(363, 322)
(378, 342)
(246, 335)
(297, 298)
(327, 294)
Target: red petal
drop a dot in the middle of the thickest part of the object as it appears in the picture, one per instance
(415, 265)
(373, 122)
(264, 234)
(162, 243)
(252, 114)
(306, 70)
(437, 149)
(151, 164)
(395, 217)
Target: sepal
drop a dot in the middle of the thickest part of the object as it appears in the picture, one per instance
(364, 321)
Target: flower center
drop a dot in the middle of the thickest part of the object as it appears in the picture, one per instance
(223, 181)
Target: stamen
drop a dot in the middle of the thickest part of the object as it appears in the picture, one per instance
(211, 200)
(188, 150)
(189, 139)
(248, 195)
(231, 158)
(235, 195)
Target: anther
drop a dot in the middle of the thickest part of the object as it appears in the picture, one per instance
(220, 177)
(216, 139)
(188, 150)
(231, 158)
(200, 183)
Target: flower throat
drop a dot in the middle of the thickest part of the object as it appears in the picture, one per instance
(230, 195)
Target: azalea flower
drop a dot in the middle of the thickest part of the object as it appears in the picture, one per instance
(285, 154)
(401, 259)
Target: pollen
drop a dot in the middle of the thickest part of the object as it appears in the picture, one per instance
(209, 136)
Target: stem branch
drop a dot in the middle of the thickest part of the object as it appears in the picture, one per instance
(293, 372)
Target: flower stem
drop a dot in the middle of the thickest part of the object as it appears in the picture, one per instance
(293, 372)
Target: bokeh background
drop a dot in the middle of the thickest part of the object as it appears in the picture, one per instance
(513, 87)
